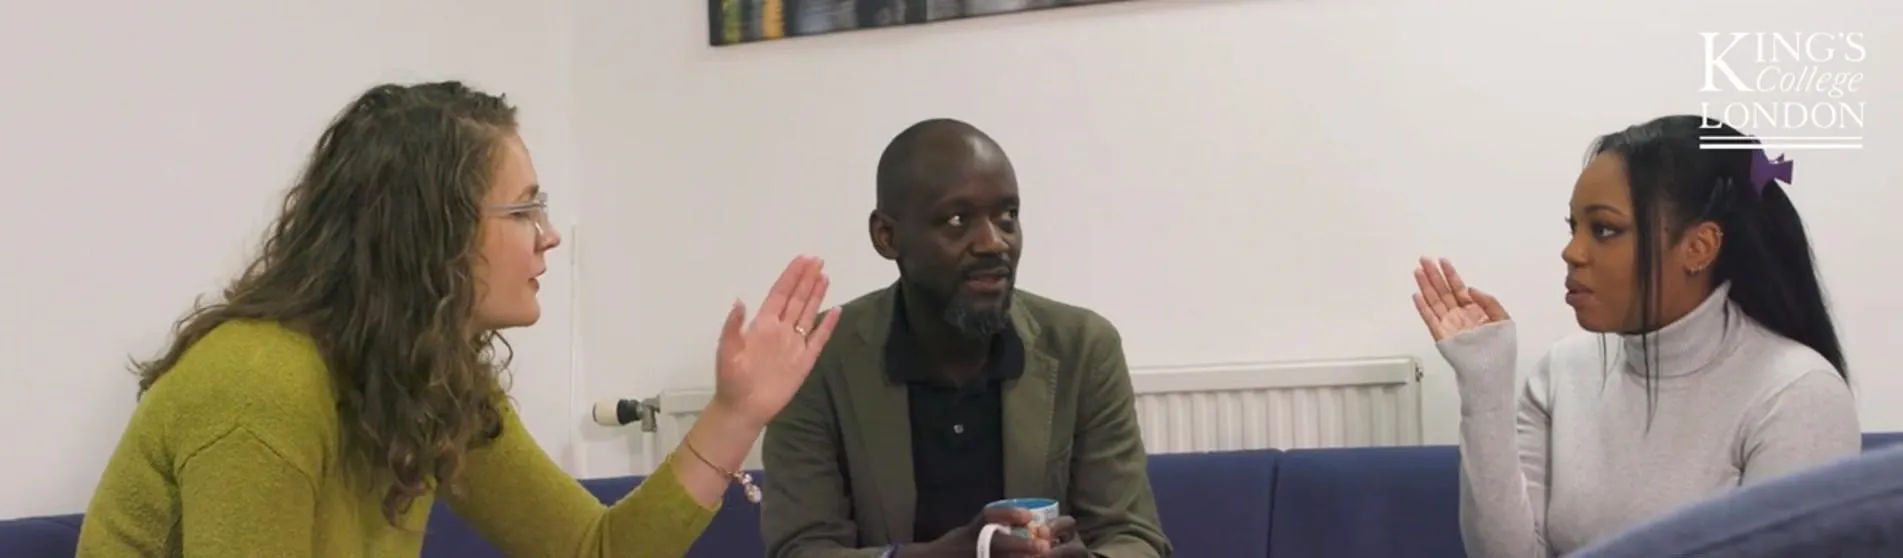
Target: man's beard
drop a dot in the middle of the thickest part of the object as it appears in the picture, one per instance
(978, 323)
(969, 320)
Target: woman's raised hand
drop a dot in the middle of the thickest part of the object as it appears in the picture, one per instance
(1448, 305)
(760, 364)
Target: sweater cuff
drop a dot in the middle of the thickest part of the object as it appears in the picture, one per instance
(1485, 361)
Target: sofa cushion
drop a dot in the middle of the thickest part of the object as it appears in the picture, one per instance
(1399, 502)
(1215, 504)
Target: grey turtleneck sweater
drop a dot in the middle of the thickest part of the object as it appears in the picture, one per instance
(1571, 458)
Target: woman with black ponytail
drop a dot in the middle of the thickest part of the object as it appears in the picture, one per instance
(1711, 361)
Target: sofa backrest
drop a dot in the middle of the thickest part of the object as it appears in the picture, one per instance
(1211, 504)
(40, 537)
(1215, 504)
(1380, 501)
(1397, 501)
(735, 531)
(1875, 440)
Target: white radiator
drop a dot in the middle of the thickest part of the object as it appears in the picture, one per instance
(677, 411)
(1360, 402)
(1284, 405)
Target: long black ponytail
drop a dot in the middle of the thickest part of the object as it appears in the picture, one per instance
(1765, 255)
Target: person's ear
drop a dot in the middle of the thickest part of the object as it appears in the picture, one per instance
(1699, 248)
(880, 228)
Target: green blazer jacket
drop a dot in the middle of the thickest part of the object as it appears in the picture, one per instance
(838, 459)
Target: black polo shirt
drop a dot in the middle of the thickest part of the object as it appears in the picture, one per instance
(957, 431)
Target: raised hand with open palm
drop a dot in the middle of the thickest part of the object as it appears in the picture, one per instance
(1448, 305)
(760, 365)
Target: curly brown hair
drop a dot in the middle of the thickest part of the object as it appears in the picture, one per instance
(373, 256)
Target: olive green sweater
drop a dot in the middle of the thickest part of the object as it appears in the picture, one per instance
(236, 453)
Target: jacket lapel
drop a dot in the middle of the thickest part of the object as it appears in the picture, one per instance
(1029, 409)
(883, 418)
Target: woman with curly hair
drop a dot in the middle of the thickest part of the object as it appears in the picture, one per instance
(350, 376)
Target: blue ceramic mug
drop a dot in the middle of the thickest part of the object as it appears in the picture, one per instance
(1043, 512)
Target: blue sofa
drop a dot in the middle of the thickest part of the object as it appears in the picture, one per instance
(1397, 502)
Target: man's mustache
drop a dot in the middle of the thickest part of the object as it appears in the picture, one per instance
(998, 266)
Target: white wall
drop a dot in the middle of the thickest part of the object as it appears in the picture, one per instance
(1225, 180)
(1247, 180)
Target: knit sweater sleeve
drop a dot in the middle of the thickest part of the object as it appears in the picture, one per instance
(1503, 444)
(240, 497)
(517, 497)
(1808, 422)
(224, 457)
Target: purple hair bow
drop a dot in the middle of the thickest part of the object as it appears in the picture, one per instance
(1764, 169)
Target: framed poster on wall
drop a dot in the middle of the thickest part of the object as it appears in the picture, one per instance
(732, 22)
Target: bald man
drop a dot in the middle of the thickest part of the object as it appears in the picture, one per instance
(951, 389)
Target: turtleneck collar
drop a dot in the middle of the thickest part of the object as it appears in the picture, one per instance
(1691, 344)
